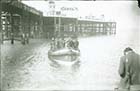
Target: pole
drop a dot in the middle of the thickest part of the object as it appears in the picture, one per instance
(0, 22)
(59, 26)
(54, 27)
(12, 29)
(77, 32)
(0, 43)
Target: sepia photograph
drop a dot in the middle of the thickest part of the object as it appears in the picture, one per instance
(69, 45)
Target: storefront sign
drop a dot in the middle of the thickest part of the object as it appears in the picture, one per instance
(69, 8)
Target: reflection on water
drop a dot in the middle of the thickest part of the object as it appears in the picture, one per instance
(74, 67)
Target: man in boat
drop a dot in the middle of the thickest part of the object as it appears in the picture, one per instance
(69, 42)
(60, 43)
(53, 44)
(73, 43)
(63, 42)
(129, 70)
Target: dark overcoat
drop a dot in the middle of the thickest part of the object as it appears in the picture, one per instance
(129, 70)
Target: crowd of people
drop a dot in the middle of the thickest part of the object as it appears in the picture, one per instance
(60, 43)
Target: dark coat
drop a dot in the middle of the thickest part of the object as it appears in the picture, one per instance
(129, 70)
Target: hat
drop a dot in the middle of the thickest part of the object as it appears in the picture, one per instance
(128, 49)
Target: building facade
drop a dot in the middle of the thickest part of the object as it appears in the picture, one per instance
(65, 26)
(18, 19)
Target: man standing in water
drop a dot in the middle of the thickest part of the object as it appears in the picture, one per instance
(129, 70)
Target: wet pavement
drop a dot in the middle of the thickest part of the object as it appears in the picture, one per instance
(27, 67)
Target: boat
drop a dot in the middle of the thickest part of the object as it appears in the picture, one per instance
(65, 56)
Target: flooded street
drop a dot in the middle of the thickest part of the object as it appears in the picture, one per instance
(113, 25)
(28, 67)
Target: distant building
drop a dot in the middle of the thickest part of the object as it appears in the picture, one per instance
(65, 26)
(18, 18)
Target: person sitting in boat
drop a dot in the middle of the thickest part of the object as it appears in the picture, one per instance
(59, 43)
(76, 44)
(69, 42)
(53, 46)
(73, 43)
(63, 42)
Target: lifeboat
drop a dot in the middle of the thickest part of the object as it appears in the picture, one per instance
(64, 56)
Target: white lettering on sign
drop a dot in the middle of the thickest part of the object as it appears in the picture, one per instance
(69, 8)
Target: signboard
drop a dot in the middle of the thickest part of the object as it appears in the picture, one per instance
(69, 9)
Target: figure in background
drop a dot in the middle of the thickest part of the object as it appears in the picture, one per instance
(27, 38)
(23, 38)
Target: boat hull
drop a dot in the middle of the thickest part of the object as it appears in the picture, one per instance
(64, 56)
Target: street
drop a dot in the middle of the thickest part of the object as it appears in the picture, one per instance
(27, 67)
(104, 29)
